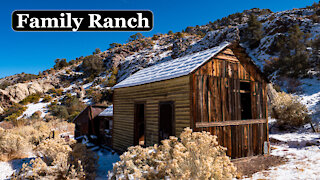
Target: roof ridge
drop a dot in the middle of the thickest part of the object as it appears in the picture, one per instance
(163, 71)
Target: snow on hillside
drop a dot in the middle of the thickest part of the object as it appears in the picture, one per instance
(146, 57)
(34, 107)
(311, 97)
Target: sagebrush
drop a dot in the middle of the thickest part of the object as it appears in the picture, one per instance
(196, 155)
(19, 142)
(60, 159)
(288, 111)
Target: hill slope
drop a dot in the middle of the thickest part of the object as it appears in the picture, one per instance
(260, 31)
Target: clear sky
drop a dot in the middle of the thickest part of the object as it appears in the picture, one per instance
(31, 52)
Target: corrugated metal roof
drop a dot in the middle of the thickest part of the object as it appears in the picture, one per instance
(107, 112)
(171, 69)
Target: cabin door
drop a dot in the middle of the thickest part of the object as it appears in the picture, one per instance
(139, 124)
(166, 120)
(245, 95)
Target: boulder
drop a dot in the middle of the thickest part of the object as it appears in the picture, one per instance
(19, 91)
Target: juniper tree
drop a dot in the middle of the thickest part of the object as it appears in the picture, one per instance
(294, 58)
(135, 37)
(92, 65)
(97, 51)
(316, 53)
(113, 45)
(60, 63)
(254, 31)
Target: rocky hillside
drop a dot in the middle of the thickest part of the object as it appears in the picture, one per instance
(283, 44)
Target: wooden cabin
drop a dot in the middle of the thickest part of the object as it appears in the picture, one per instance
(95, 122)
(219, 90)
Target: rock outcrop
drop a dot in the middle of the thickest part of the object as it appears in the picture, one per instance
(19, 91)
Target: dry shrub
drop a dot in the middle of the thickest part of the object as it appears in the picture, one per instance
(60, 160)
(33, 134)
(12, 146)
(196, 156)
(18, 142)
(50, 149)
(288, 111)
(88, 160)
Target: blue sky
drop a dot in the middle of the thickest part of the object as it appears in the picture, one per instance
(31, 52)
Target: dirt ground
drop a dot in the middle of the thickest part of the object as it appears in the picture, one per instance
(248, 166)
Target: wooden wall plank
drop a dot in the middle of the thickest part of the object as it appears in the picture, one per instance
(177, 90)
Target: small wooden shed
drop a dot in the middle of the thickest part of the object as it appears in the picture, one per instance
(95, 122)
(219, 90)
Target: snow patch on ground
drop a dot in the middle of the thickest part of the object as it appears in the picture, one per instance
(32, 108)
(5, 170)
(106, 160)
(303, 161)
(87, 86)
(8, 168)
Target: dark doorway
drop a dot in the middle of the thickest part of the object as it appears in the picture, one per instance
(166, 120)
(245, 95)
(139, 122)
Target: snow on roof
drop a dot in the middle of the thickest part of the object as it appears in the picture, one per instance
(107, 112)
(171, 69)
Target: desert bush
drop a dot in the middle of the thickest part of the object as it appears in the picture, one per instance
(47, 98)
(18, 142)
(23, 77)
(61, 160)
(97, 51)
(88, 159)
(12, 146)
(179, 35)
(70, 106)
(56, 92)
(288, 111)
(96, 96)
(60, 63)
(4, 84)
(196, 155)
(155, 37)
(36, 115)
(112, 80)
(49, 149)
(13, 112)
(59, 111)
(136, 36)
(33, 133)
(33, 98)
(92, 65)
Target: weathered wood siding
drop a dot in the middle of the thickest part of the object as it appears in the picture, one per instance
(216, 98)
(177, 90)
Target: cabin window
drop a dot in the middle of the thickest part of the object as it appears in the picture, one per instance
(166, 120)
(245, 95)
(139, 128)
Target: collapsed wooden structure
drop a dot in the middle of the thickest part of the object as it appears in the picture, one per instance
(95, 122)
(219, 90)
